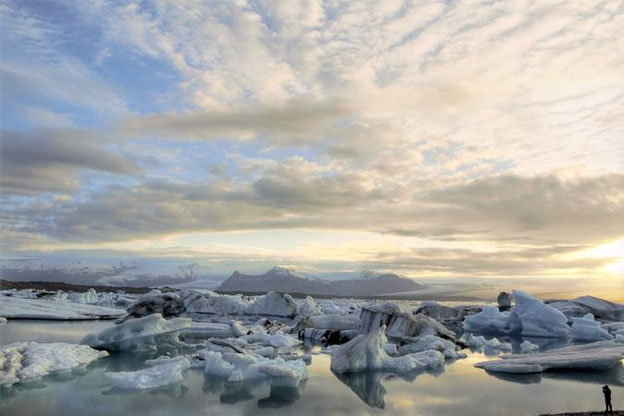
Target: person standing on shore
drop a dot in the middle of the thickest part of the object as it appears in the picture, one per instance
(607, 395)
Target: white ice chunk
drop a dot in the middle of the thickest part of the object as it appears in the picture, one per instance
(274, 304)
(24, 308)
(489, 320)
(587, 330)
(3, 320)
(529, 317)
(494, 346)
(265, 351)
(147, 332)
(161, 372)
(28, 361)
(309, 307)
(474, 341)
(601, 355)
(90, 296)
(248, 367)
(432, 342)
(276, 340)
(366, 352)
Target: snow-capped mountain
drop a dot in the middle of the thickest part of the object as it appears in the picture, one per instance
(284, 280)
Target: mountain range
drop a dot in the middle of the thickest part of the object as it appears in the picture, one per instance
(284, 280)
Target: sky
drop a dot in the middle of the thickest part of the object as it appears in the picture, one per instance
(433, 139)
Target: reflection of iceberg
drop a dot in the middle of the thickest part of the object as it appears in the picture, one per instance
(614, 377)
(280, 396)
(172, 390)
(368, 385)
(269, 394)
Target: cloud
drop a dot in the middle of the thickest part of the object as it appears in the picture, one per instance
(538, 211)
(295, 122)
(49, 160)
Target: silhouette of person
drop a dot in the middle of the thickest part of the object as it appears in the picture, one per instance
(607, 394)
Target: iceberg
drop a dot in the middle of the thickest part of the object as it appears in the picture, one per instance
(248, 367)
(28, 308)
(147, 333)
(335, 322)
(161, 372)
(450, 317)
(400, 326)
(275, 340)
(28, 361)
(585, 329)
(432, 342)
(166, 304)
(309, 307)
(529, 317)
(366, 352)
(601, 355)
(208, 302)
(274, 304)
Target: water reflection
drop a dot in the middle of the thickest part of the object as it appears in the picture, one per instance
(177, 390)
(368, 385)
(268, 396)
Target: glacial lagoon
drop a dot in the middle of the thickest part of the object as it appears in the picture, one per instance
(459, 389)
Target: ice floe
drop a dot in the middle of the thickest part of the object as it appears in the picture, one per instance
(29, 361)
(146, 333)
(529, 317)
(239, 367)
(601, 355)
(161, 372)
(587, 330)
(366, 352)
(28, 308)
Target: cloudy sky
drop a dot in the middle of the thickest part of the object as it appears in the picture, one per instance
(434, 139)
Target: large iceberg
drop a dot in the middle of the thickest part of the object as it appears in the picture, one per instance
(585, 329)
(601, 309)
(274, 304)
(529, 317)
(208, 302)
(147, 333)
(240, 367)
(27, 308)
(161, 372)
(601, 355)
(400, 326)
(366, 352)
(28, 361)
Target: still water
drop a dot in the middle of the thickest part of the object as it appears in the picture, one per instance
(460, 389)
